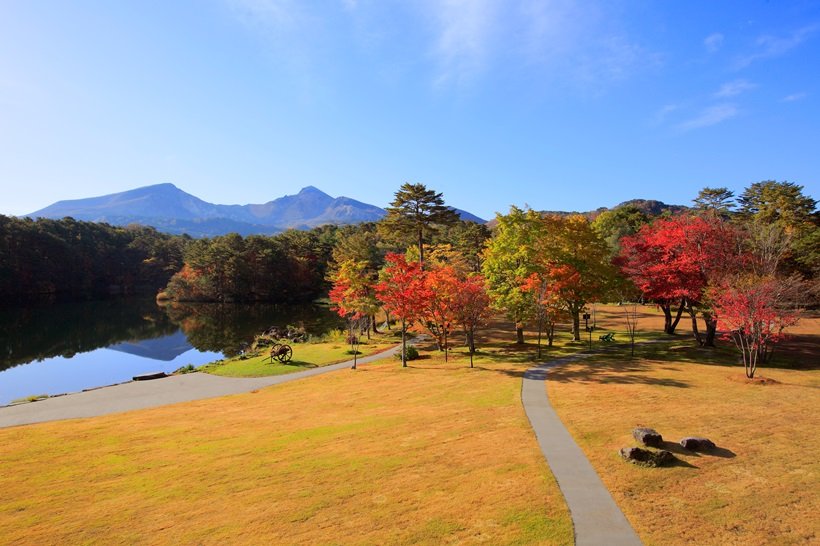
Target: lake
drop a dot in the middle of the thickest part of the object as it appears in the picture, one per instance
(68, 347)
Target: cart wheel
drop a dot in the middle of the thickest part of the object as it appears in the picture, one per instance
(285, 353)
(274, 351)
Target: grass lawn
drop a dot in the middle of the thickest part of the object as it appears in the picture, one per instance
(434, 453)
(763, 489)
(305, 355)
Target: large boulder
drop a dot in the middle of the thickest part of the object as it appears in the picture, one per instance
(647, 436)
(646, 457)
(693, 443)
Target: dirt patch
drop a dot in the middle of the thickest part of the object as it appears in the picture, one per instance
(754, 381)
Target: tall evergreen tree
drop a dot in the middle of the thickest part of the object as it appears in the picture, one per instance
(415, 215)
(718, 200)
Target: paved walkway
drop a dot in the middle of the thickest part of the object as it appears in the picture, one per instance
(595, 516)
(157, 392)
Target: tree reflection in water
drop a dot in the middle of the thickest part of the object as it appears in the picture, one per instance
(40, 332)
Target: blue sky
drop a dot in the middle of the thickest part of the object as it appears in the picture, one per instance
(554, 104)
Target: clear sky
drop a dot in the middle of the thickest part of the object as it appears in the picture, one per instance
(555, 104)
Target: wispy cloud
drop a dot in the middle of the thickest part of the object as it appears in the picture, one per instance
(465, 32)
(734, 88)
(710, 116)
(769, 47)
(664, 112)
(573, 43)
(713, 42)
(794, 97)
(569, 43)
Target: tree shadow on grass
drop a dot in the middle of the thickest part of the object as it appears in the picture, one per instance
(610, 371)
(300, 364)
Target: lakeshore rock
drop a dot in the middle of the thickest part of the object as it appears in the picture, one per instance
(693, 443)
(645, 457)
(647, 436)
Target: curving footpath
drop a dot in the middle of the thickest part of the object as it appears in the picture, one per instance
(595, 516)
(157, 392)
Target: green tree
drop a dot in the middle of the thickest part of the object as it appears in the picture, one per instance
(614, 224)
(577, 263)
(468, 238)
(510, 258)
(784, 205)
(415, 215)
(777, 202)
(719, 201)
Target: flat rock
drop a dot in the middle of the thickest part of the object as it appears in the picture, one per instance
(646, 457)
(693, 443)
(647, 436)
(150, 375)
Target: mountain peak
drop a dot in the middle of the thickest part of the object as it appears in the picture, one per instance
(307, 190)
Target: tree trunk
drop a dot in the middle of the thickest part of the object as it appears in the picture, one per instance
(540, 328)
(576, 326)
(387, 319)
(421, 248)
(403, 344)
(519, 333)
(711, 329)
(694, 314)
(374, 324)
(471, 344)
(446, 354)
(668, 324)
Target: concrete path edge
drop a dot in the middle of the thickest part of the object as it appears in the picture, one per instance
(135, 395)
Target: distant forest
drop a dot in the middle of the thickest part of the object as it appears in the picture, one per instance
(47, 260)
(68, 259)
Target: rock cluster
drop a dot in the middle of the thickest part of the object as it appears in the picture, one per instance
(651, 438)
(647, 436)
(697, 444)
(646, 457)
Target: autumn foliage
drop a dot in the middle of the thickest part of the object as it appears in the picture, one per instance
(403, 292)
(755, 311)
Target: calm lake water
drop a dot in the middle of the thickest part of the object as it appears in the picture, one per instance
(68, 347)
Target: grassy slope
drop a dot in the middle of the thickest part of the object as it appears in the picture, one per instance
(305, 355)
(763, 489)
(430, 454)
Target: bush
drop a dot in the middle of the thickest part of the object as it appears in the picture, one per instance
(410, 353)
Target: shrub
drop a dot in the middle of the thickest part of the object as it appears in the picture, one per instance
(410, 353)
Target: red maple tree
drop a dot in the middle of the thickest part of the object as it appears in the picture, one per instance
(470, 306)
(403, 292)
(673, 260)
(755, 311)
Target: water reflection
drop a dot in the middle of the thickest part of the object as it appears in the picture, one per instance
(50, 349)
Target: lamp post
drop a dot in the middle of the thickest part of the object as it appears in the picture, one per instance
(589, 330)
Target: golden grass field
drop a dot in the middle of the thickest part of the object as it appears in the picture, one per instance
(436, 453)
(430, 454)
(763, 487)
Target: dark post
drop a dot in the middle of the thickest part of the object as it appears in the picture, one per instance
(586, 324)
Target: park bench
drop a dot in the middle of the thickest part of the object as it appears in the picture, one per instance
(608, 337)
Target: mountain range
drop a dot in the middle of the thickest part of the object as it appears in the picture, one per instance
(169, 209)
